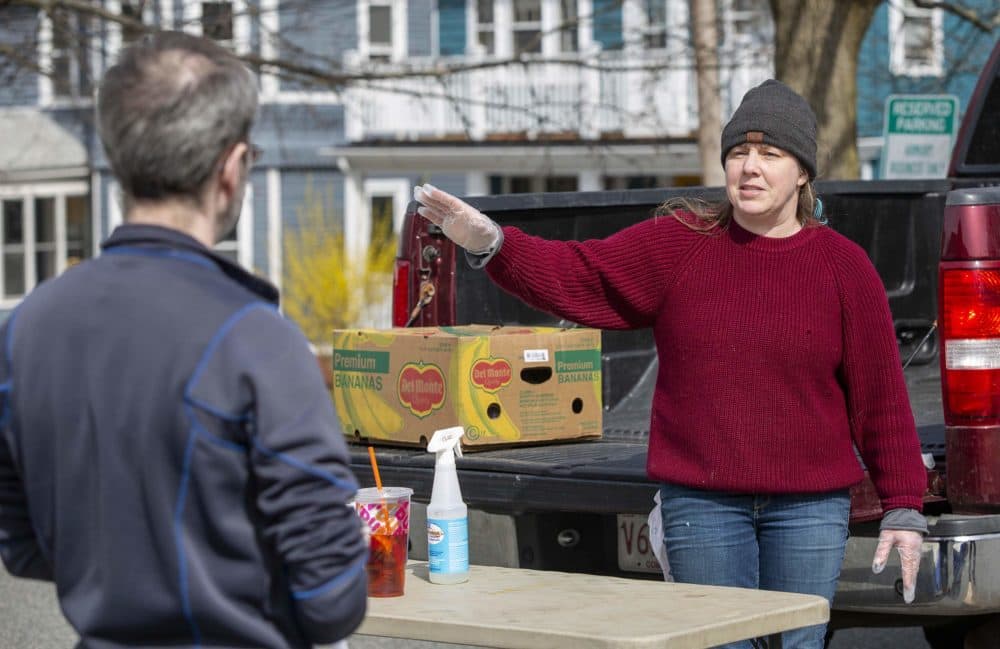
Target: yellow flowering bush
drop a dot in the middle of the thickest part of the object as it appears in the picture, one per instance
(323, 288)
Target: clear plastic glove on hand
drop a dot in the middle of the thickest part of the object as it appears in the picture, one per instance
(460, 222)
(908, 545)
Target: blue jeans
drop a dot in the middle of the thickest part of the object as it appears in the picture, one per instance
(793, 543)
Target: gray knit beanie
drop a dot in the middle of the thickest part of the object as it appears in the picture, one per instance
(772, 113)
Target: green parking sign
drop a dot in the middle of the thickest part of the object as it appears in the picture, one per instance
(919, 132)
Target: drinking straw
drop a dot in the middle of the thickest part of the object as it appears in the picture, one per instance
(378, 485)
(378, 480)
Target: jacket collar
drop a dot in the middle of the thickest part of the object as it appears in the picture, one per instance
(156, 236)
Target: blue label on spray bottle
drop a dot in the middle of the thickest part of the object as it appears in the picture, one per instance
(448, 545)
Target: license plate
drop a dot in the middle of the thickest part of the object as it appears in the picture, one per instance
(635, 552)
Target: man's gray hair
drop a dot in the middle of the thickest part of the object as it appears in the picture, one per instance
(169, 110)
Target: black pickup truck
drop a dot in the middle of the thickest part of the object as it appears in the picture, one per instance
(582, 506)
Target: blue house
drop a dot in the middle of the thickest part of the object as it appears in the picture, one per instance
(912, 50)
(540, 95)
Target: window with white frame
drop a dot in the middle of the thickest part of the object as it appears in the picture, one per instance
(217, 21)
(654, 31)
(382, 211)
(138, 16)
(485, 26)
(44, 229)
(915, 40)
(237, 245)
(382, 25)
(569, 26)
(64, 53)
(136, 13)
(380, 31)
(387, 199)
(527, 26)
(227, 23)
(748, 23)
(510, 27)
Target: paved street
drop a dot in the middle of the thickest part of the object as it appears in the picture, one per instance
(30, 619)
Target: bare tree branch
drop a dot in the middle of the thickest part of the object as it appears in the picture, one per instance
(292, 62)
(81, 7)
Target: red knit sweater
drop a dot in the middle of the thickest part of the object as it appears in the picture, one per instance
(775, 354)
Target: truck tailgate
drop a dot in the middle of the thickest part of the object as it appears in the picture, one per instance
(599, 476)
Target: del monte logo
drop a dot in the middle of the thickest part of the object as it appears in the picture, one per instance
(420, 388)
(491, 375)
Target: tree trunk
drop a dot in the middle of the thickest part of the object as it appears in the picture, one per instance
(816, 45)
(706, 57)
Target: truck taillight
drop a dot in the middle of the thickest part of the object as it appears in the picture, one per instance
(969, 319)
(970, 331)
(401, 293)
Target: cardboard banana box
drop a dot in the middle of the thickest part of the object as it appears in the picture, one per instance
(504, 385)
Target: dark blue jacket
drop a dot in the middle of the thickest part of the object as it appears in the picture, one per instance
(170, 457)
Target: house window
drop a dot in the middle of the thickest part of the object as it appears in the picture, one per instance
(485, 29)
(227, 23)
(237, 245)
(915, 40)
(64, 51)
(387, 199)
(135, 11)
(382, 218)
(380, 32)
(382, 25)
(45, 238)
(43, 231)
(217, 21)
(229, 246)
(747, 23)
(511, 27)
(527, 26)
(569, 26)
(79, 230)
(138, 17)
(654, 32)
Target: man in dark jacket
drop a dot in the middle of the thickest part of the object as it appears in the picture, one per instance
(169, 454)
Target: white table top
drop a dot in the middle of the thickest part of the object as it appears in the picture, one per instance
(532, 609)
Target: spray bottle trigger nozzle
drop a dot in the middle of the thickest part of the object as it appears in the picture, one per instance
(446, 439)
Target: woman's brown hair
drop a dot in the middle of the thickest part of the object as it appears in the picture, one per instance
(706, 216)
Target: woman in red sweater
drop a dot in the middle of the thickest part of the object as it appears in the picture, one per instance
(777, 358)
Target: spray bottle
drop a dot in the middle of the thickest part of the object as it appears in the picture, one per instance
(447, 515)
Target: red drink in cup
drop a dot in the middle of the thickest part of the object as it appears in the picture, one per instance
(387, 513)
(386, 565)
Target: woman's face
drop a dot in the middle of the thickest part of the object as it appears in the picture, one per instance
(762, 183)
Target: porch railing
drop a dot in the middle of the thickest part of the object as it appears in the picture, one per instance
(608, 95)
